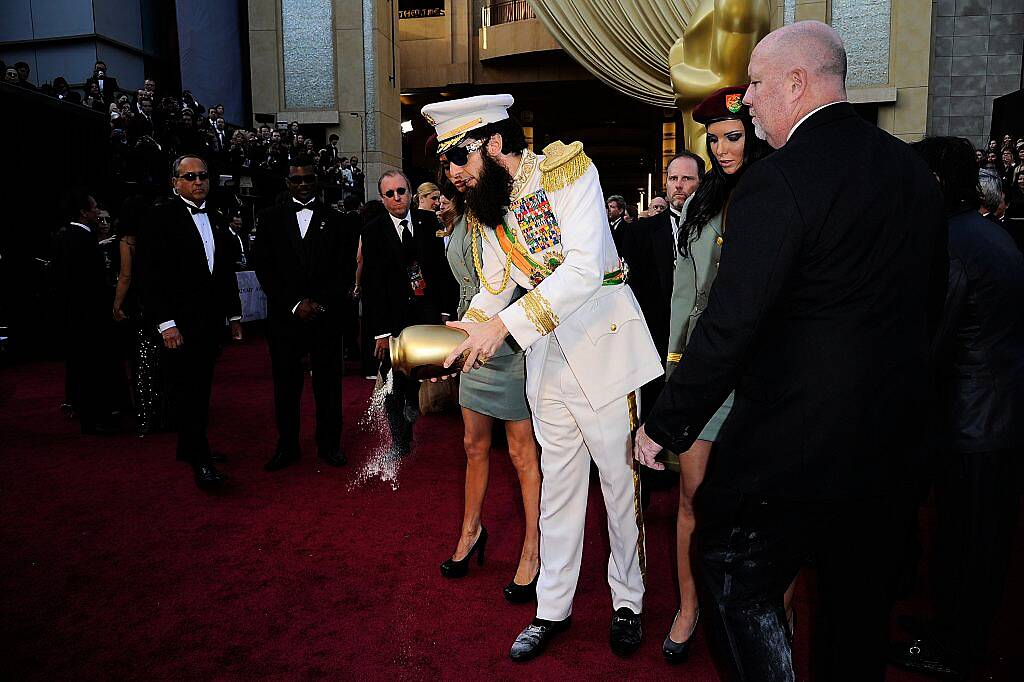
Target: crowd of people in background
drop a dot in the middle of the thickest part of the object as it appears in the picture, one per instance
(150, 126)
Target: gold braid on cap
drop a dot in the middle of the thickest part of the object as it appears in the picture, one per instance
(538, 310)
(476, 236)
(563, 165)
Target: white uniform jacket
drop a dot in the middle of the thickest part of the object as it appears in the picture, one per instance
(562, 252)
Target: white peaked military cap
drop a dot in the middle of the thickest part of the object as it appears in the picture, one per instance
(454, 118)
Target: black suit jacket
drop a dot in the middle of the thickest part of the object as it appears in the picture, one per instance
(110, 88)
(385, 281)
(648, 250)
(833, 268)
(176, 281)
(980, 342)
(292, 268)
(79, 278)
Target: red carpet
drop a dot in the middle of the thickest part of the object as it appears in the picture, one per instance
(113, 564)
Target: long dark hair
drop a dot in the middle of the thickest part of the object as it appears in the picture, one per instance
(717, 185)
(947, 159)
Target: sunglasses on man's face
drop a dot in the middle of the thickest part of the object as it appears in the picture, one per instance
(390, 194)
(302, 179)
(192, 177)
(460, 155)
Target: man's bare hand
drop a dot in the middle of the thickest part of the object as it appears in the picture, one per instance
(485, 338)
(645, 450)
(236, 330)
(382, 348)
(119, 315)
(307, 310)
(172, 338)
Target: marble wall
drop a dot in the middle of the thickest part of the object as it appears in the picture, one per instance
(976, 57)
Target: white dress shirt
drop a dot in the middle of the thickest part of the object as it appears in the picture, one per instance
(808, 115)
(304, 216)
(675, 220)
(398, 227)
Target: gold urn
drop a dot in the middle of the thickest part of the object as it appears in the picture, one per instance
(419, 351)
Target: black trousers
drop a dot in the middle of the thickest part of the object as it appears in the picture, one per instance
(402, 407)
(977, 500)
(189, 381)
(90, 373)
(749, 549)
(291, 341)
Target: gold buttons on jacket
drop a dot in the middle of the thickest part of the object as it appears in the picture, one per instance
(614, 327)
(465, 279)
(719, 240)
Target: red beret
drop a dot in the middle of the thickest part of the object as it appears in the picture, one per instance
(722, 104)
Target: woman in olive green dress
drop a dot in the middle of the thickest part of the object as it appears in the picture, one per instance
(732, 147)
(496, 390)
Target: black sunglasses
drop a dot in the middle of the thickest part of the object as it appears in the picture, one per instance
(460, 155)
(302, 179)
(392, 192)
(191, 177)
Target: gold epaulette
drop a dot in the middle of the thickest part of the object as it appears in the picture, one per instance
(563, 165)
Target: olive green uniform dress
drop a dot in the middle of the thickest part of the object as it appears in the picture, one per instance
(691, 284)
(497, 389)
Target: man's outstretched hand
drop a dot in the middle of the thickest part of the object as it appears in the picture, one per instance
(484, 340)
(645, 450)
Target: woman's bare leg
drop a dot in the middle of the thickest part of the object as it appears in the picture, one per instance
(477, 441)
(692, 465)
(522, 449)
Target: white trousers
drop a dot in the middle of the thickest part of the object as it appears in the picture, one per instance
(570, 433)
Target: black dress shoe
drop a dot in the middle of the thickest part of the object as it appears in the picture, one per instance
(677, 652)
(626, 632)
(521, 594)
(458, 569)
(928, 658)
(532, 641)
(334, 458)
(208, 478)
(280, 460)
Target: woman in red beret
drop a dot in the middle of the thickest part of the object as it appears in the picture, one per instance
(732, 147)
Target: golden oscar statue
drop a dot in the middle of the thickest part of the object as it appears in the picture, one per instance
(713, 53)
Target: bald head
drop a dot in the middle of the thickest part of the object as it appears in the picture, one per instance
(793, 71)
(812, 45)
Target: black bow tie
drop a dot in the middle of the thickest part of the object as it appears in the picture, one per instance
(198, 210)
(303, 207)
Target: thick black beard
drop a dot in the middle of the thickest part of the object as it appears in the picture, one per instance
(489, 199)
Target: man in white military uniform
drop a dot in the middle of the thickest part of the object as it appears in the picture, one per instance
(542, 225)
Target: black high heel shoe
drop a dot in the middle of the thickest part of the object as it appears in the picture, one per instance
(459, 569)
(677, 652)
(521, 594)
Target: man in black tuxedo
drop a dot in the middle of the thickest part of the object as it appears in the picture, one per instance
(106, 83)
(615, 206)
(405, 280)
(85, 301)
(649, 248)
(299, 262)
(189, 287)
(830, 278)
